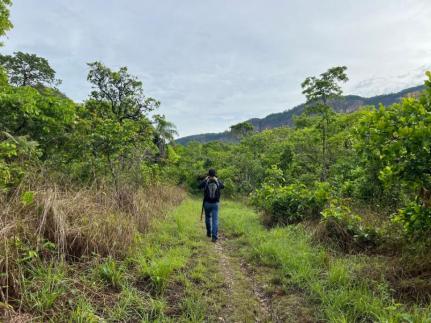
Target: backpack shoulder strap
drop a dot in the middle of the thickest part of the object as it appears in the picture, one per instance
(214, 181)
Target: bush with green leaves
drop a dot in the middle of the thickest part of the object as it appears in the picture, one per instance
(42, 116)
(291, 203)
(395, 147)
(415, 219)
(346, 228)
(16, 155)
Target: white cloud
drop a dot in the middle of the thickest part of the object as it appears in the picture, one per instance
(216, 62)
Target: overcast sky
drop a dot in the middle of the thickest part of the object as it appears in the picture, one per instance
(213, 63)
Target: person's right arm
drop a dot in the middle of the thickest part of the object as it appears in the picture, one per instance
(221, 185)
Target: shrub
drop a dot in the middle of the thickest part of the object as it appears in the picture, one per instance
(15, 156)
(415, 219)
(344, 228)
(291, 203)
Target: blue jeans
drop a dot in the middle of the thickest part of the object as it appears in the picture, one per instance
(211, 219)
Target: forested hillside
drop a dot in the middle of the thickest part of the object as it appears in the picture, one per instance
(344, 104)
(101, 216)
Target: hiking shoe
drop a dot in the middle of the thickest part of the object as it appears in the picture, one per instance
(214, 240)
(208, 235)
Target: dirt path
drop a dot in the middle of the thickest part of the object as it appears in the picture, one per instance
(218, 284)
(245, 302)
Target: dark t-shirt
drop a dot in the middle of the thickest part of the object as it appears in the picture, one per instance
(207, 198)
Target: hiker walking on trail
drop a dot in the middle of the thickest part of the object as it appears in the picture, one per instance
(212, 186)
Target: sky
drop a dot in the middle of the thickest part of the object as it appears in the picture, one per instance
(214, 63)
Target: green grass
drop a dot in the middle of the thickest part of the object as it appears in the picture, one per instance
(43, 286)
(83, 313)
(161, 265)
(342, 294)
(112, 273)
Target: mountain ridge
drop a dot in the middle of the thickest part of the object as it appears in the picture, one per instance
(345, 104)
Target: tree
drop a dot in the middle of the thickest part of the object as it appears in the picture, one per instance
(242, 129)
(164, 132)
(117, 131)
(43, 117)
(165, 129)
(5, 23)
(326, 86)
(318, 90)
(121, 92)
(28, 70)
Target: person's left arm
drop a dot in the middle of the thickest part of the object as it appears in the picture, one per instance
(203, 183)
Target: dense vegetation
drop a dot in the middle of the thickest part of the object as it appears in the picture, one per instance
(108, 136)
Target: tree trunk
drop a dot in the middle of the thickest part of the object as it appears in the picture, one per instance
(324, 164)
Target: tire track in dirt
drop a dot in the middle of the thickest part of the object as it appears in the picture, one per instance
(246, 301)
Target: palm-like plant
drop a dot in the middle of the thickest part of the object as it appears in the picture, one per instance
(164, 133)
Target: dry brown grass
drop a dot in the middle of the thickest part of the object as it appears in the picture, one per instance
(334, 233)
(79, 223)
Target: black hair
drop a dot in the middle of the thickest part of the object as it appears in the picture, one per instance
(211, 172)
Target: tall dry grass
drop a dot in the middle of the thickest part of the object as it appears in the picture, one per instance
(72, 224)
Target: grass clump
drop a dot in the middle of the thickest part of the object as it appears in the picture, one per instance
(43, 286)
(84, 313)
(134, 305)
(339, 273)
(160, 266)
(112, 273)
(194, 308)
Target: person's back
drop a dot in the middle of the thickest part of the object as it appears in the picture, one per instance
(212, 186)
